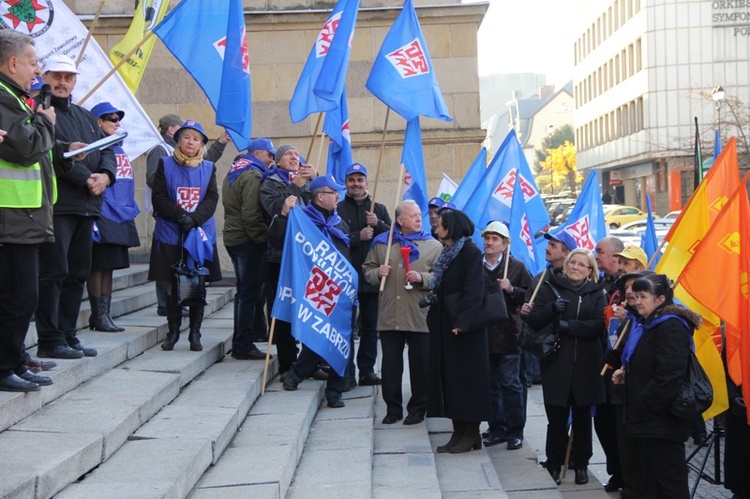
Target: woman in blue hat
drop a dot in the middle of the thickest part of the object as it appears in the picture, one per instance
(184, 196)
(115, 231)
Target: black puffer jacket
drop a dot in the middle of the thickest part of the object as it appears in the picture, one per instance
(580, 359)
(657, 367)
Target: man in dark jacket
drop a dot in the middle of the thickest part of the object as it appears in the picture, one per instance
(245, 237)
(325, 193)
(28, 148)
(65, 264)
(364, 225)
(506, 390)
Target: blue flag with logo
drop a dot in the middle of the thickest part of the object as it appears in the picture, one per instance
(336, 126)
(522, 243)
(415, 180)
(209, 40)
(493, 195)
(199, 247)
(470, 181)
(649, 240)
(402, 75)
(322, 79)
(317, 291)
(586, 222)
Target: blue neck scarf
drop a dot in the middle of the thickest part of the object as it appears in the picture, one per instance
(329, 226)
(636, 333)
(283, 174)
(403, 240)
(241, 164)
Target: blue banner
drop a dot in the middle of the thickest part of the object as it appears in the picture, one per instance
(470, 181)
(317, 291)
(336, 126)
(402, 75)
(209, 40)
(649, 240)
(415, 180)
(586, 222)
(522, 243)
(322, 79)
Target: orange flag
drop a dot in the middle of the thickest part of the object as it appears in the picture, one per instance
(745, 310)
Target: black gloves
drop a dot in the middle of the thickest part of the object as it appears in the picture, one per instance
(613, 358)
(563, 327)
(559, 305)
(186, 224)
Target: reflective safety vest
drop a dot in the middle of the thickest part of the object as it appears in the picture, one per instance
(21, 186)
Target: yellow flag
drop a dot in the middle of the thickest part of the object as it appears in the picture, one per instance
(147, 14)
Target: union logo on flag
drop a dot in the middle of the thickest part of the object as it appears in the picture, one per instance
(409, 60)
(34, 16)
(188, 198)
(581, 233)
(325, 37)
(221, 46)
(525, 236)
(239, 164)
(322, 292)
(202, 234)
(504, 190)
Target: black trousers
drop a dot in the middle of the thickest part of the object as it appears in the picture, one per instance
(557, 435)
(19, 277)
(630, 461)
(393, 343)
(664, 471)
(286, 345)
(367, 353)
(605, 424)
(63, 269)
(307, 362)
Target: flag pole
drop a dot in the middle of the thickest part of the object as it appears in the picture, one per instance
(116, 67)
(268, 356)
(617, 344)
(507, 259)
(380, 159)
(90, 33)
(656, 253)
(320, 146)
(315, 134)
(393, 225)
(538, 285)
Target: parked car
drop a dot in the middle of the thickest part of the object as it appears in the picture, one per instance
(616, 215)
(672, 215)
(559, 207)
(565, 215)
(632, 230)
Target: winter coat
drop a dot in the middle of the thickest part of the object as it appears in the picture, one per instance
(75, 123)
(503, 335)
(398, 308)
(656, 369)
(579, 361)
(459, 365)
(244, 220)
(29, 138)
(355, 216)
(273, 193)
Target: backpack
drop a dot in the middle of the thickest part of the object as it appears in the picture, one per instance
(695, 394)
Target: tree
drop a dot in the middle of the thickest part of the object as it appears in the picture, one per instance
(553, 141)
(562, 161)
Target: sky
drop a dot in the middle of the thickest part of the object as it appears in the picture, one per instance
(529, 36)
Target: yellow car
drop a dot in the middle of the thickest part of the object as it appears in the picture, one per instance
(616, 214)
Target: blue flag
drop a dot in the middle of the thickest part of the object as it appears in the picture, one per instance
(522, 243)
(317, 291)
(649, 240)
(415, 180)
(402, 75)
(493, 196)
(336, 126)
(209, 40)
(322, 79)
(586, 222)
(717, 144)
(470, 180)
(199, 247)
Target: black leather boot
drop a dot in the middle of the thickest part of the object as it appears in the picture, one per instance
(97, 320)
(458, 432)
(106, 304)
(471, 439)
(174, 321)
(194, 337)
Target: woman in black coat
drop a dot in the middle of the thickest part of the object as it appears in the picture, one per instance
(458, 369)
(571, 382)
(655, 360)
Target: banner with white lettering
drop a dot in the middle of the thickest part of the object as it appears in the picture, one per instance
(317, 291)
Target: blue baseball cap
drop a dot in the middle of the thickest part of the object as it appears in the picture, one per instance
(436, 202)
(37, 85)
(106, 108)
(447, 205)
(564, 238)
(193, 125)
(261, 144)
(326, 181)
(356, 168)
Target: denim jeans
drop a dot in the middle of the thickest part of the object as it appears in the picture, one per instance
(507, 396)
(247, 259)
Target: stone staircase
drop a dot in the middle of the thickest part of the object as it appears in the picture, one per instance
(139, 422)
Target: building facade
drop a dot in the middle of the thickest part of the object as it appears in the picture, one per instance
(644, 71)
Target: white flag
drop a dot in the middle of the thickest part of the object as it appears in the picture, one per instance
(447, 188)
(56, 30)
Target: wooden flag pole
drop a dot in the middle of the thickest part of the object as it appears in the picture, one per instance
(617, 344)
(314, 135)
(116, 67)
(90, 33)
(538, 285)
(507, 260)
(393, 225)
(268, 356)
(320, 148)
(656, 253)
(380, 159)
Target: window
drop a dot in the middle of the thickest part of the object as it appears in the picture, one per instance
(638, 55)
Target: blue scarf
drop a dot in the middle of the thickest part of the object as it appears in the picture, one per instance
(328, 227)
(403, 240)
(283, 174)
(241, 164)
(636, 333)
(445, 259)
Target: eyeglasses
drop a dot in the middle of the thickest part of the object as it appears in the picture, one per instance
(329, 192)
(111, 119)
(579, 265)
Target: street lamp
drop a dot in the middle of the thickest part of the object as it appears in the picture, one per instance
(717, 95)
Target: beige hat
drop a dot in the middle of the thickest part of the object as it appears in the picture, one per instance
(634, 253)
(497, 228)
(60, 64)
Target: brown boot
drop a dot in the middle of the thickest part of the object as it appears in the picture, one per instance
(471, 439)
(458, 431)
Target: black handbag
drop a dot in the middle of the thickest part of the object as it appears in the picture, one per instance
(695, 395)
(544, 343)
(493, 308)
(189, 284)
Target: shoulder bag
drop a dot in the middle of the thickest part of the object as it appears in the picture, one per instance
(493, 308)
(189, 284)
(544, 343)
(695, 394)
